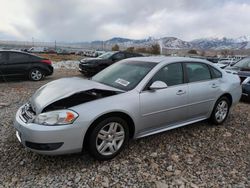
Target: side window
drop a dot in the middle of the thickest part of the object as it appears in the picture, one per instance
(197, 72)
(128, 55)
(118, 56)
(215, 73)
(171, 74)
(18, 58)
(3, 57)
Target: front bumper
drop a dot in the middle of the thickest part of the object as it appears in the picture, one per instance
(246, 91)
(88, 69)
(50, 140)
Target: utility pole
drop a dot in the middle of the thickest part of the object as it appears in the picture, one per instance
(32, 41)
(55, 44)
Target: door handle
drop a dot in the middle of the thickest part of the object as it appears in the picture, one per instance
(214, 85)
(180, 92)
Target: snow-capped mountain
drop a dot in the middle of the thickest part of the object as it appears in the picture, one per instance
(174, 43)
(242, 42)
(242, 39)
(222, 43)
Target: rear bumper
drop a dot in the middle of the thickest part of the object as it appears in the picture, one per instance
(50, 71)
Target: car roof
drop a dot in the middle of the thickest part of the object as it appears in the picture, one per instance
(168, 59)
(18, 51)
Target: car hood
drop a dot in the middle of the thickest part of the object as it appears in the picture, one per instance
(238, 70)
(63, 88)
(94, 60)
(233, 68)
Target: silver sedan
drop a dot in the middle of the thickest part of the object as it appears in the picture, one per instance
(133, 98)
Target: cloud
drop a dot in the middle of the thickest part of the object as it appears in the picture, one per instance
(86, 20)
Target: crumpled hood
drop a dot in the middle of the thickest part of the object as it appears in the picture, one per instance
(62, 88)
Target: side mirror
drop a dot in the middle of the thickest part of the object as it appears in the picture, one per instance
(158, 85)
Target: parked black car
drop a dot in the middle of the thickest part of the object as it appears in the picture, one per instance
(246, 89)
(17, 63)
(242, 68)
(91, 66)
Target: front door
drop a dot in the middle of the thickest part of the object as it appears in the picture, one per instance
(164, 107)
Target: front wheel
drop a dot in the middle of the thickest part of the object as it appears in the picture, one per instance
(36, 74)
(220, 111)
(108, 138)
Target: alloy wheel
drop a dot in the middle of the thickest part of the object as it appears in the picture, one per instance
(36, 75)
(221, 111)
(110, 138)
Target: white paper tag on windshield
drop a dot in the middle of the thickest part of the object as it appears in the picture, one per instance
(122, 82)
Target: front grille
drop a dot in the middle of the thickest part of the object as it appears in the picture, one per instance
(27, 113)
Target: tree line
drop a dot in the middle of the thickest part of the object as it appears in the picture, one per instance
(153, 49)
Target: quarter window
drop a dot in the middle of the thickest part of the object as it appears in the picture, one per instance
(171, 74)
(197, 72)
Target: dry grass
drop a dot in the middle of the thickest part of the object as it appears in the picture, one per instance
(58, 57)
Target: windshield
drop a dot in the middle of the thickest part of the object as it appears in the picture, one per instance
(106, 55)
(244, 63)
(125, 75)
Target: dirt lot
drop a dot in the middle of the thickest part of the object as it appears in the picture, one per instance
(58, 57)
(199, 155)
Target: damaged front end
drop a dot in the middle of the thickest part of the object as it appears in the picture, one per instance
(79, 98)
(55, 98)
(58, 112)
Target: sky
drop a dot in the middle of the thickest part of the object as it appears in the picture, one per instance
(88, 20)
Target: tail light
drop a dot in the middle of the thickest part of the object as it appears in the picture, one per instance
(46, 61)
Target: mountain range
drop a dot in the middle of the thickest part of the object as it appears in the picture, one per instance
(239, 43)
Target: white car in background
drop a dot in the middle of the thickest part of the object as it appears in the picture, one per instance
(37, 49)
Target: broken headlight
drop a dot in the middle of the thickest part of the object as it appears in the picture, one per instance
(60, 117)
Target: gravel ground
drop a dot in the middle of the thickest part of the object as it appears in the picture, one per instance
(199, 155)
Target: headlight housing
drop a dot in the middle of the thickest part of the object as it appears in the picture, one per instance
(59, 117)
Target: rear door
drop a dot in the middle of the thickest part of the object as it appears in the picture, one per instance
(3, 63)
(202, 88)
(18, 64)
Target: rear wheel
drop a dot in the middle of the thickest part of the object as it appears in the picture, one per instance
(108, 138)
(36, 74)
(220, 111)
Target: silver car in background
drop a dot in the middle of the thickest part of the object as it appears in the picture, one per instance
(133, 98)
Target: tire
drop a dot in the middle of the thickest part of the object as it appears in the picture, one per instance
(36, 74)
(108, 138)
(220, 111)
